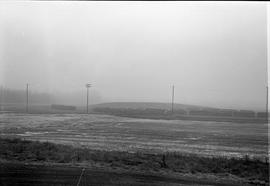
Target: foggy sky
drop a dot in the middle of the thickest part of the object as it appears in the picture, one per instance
(214, 53)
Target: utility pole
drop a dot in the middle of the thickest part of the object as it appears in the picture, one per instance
(2, 98)
(172, 97)
(267, 104)
(87, 95)
(27, 87)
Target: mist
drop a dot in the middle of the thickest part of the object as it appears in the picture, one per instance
(215, 54)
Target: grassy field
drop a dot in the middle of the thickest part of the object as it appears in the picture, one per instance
(106, 132)
(44, 163)
(28, 175)
(181, 112)
(129, 151)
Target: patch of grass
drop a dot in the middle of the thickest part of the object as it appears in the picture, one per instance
(34, 151)
(196, 115)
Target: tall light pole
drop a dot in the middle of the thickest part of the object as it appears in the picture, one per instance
(88, 85)
(172, 97)
(27, 87)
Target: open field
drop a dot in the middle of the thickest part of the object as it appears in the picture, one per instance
(156, 110)
(106, 132)
(44, 163)
(28, 175)
(128, 151)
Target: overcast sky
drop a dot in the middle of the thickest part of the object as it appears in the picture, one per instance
(214, 53)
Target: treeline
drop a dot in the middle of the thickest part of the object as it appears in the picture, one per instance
(181, 112)
(19, 96)
(254, 170)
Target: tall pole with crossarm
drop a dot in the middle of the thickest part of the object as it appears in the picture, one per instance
(172, 98)
(88, 85)
(27, 87)
(267, 104)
